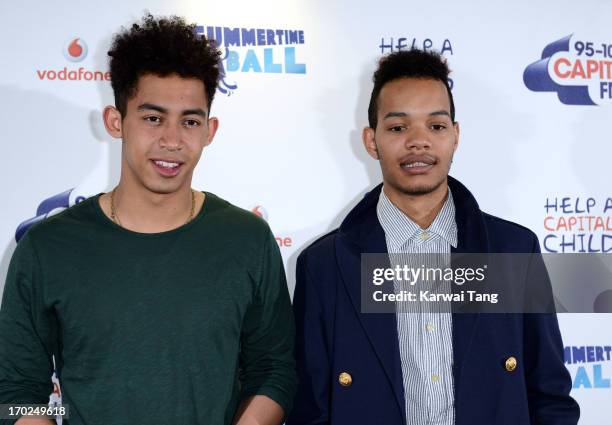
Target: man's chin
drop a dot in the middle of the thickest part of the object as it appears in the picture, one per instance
(419, 189)
(161, 189)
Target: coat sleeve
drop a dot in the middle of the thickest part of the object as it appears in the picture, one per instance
(548, 380)
(313, 351)
(28, 332)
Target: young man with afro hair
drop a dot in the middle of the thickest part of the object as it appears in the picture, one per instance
(161, 304)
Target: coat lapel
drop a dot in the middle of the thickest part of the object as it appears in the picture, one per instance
(367, 236)
(472, 238)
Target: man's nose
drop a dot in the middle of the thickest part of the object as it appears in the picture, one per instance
(170, 138)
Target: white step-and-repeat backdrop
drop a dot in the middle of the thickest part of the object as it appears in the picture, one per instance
(532, 85)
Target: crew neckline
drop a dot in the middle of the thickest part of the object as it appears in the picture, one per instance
(107, 221)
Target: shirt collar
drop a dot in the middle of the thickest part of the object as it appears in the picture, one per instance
(400, 229)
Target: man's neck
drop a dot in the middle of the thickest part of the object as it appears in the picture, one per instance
(138, 209)
(422, 209)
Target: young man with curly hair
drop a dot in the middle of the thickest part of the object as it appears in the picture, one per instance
(160, 303)
(436, 366)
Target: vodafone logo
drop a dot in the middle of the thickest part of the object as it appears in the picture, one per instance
(260, 211)
(75, 50)
(282, 241)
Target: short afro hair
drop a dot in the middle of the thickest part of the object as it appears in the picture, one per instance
(162, 47)
(412, 63)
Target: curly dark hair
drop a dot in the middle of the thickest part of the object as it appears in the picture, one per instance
(412, 63)
(161, 46)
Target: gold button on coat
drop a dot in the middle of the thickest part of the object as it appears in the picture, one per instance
(511, 364)
(345, 379)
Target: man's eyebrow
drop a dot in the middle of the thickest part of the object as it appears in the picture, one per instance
(404, 114)
(440, 112)
(162, 110)
(395, 115)
(153, 107)
(196, 111)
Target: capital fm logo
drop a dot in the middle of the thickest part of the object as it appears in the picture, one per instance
(49, 207)
(578, 69)
(75, 50)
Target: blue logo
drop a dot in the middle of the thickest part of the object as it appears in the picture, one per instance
(255, 50)
(50, 206)
(399, 43)
(590, 374)
(392, 44)
(579, 70)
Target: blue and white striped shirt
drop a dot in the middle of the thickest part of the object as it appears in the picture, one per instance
(425, 337)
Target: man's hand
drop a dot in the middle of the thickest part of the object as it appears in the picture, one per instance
(258, 410)
(34, 421)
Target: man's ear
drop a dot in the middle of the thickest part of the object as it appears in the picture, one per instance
(112, 121)
(213, 126)
(456, 128)
(369, 142)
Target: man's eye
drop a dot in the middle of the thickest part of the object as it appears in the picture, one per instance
(438, 127)
(396, 128)
(153, 119)
(191, 123)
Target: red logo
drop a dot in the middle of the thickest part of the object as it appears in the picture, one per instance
(75, 50)
(260, 211)
(282, 241)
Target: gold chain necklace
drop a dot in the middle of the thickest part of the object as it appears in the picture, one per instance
(115, 217)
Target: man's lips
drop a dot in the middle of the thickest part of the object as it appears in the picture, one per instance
(167, 167)
(417, 164)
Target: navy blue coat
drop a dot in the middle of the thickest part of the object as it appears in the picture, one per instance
(334, 337)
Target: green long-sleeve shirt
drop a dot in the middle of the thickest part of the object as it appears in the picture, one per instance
(167, 328)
